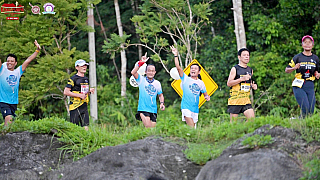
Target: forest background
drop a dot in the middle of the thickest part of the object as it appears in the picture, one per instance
(273, 32)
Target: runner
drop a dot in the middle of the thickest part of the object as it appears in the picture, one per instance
(306, 65)
(78, 89)
(148, 90)
(192, 87)
(240, 84)
(9, 83)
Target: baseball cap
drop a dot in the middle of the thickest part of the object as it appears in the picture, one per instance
(307, 36)
(80, 62)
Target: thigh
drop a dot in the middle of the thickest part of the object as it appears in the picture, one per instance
(301, 96)
(249, 113)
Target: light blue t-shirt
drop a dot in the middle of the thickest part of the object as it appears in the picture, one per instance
(191, 92)
(148, 94)
(9, 84)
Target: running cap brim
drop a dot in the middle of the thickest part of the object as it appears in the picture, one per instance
(80, 62)
(307, 36)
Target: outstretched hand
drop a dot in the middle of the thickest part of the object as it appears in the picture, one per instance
(37, 44)
(174, 50)
(144, 58)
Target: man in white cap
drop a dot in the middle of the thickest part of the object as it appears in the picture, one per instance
(78, 89)
(9, 83)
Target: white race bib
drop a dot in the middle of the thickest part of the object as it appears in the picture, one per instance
(84, 89)
(297, 82)
(245, 87)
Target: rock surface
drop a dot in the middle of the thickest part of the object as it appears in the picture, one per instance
(29, 156)
(275, 161)
(35, 156)
(147, 159)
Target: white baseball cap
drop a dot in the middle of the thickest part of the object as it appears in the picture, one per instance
(80, 62)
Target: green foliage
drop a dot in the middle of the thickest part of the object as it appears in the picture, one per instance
(311, 165)
(113, 45)
(202, 153)
(312, 169)
(257, 141)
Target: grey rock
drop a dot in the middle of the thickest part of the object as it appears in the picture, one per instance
(147, 159)
(275, 161)
(263, 164)
(25, 155)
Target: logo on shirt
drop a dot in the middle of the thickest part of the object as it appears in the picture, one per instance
(12, 80)
(194, 88)
(151, 90)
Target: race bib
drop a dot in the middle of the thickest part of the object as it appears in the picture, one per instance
(245, 87)
(84, 89)
(297, 82)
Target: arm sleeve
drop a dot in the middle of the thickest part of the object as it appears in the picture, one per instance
(70, 83)
(138, 79)
(20, 69)
(203, 88)
(159, 89)
(293, 62)
(183, 77)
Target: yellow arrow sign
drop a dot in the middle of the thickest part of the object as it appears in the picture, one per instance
(211, 86)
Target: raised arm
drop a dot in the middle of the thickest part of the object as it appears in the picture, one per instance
(176, 60)
(143, 60)
(30, 58)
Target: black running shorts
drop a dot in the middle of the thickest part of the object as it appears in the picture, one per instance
(153, 116)
(8, 109)
(80, 116)
(237, 109)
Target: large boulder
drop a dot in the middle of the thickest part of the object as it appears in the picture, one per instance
(29, 156)
(275, 161)
(147, 159)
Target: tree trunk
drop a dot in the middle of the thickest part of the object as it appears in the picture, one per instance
(92, 67)
(134, 9)
(238, 24)
(123, 53)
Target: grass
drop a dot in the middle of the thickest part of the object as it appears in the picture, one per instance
(203, 144)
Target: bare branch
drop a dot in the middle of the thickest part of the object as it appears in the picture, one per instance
(55, 38)
(55, 96)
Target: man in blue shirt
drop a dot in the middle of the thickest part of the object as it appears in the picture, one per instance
(9, 83)
(191, 87)
(149, 88)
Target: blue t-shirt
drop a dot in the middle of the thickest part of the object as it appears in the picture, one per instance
(191, 92)
(148, 94)
(9, 84)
